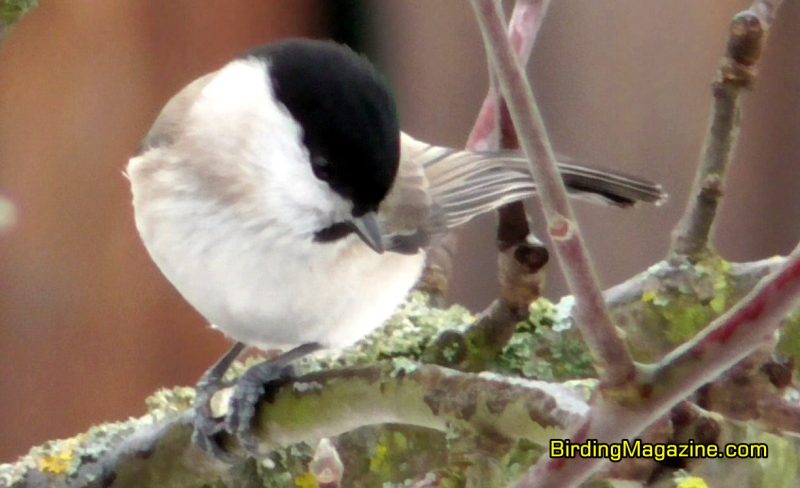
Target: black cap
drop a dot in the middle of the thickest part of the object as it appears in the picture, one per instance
(349, 119)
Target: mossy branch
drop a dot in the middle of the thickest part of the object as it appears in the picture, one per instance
(718, 347)
(156, 450)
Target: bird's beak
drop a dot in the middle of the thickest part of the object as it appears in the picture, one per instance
(369, 231)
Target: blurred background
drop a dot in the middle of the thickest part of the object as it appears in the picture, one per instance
(88, 326)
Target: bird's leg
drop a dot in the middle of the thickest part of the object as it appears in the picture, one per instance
(262, 380)
(205, 426)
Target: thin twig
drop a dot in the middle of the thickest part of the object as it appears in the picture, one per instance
(736, 72)
(610, 355)
(522, 32)
(521, 257)
(485, 135)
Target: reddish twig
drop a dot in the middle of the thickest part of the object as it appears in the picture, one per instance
(611, 357)
(485, 135)
(522, 31)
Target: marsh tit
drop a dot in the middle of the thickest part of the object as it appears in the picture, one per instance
(280, 198)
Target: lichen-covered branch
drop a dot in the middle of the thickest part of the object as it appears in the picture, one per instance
(731, 337)
(158, 451)
(727, 340)
(748, 32)
(632, 404)
(610, 355)
(385, 419)
(426, 396)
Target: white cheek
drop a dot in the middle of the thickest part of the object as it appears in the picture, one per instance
(239, 125)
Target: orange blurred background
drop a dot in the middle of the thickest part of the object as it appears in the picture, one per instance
(88, 327)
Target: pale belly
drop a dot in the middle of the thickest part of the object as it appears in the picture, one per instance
(280, 295)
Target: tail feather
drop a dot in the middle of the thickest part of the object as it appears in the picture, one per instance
(466, 184)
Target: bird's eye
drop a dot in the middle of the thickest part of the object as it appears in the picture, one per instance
(321, 168)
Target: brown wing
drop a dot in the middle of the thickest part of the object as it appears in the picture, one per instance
(409, 219)
(438, 189)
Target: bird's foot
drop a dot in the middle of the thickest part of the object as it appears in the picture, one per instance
(260, 382)
(207, 428)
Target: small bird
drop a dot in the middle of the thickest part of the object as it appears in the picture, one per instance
(281, 199)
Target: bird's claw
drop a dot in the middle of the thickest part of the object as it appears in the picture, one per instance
(258, 382)
(207, 428)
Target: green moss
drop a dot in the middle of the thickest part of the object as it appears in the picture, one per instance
(520, 459)
(61, 459)
(546, 347)
(406, 335)
(685, 318)
(307, 480)
(789, 343)
(686, 481)
(390, 456)
(691, 299)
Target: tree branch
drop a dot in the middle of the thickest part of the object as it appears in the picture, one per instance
(727, 340)
(748, 33)
(486, 135)
(523, 28)
(491, 408)
(608, 351)
(322, 404)
(730, 338)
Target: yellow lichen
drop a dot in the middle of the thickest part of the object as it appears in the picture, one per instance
(691, 482)
(649, 296)
(307, 480)
(59, 462)
(378, 462)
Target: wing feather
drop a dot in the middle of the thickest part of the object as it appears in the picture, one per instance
(439, 188)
